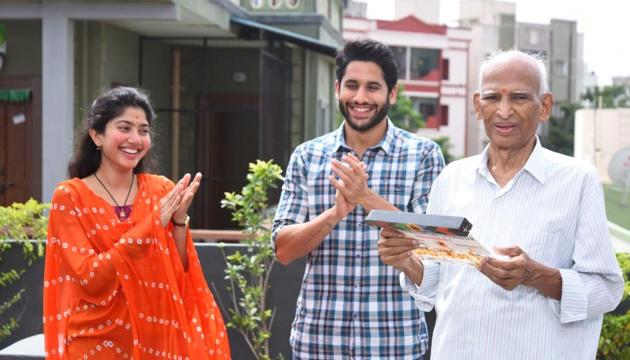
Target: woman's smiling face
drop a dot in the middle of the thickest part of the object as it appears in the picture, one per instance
(125, 141)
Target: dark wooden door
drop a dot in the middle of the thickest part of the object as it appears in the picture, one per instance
(20, 143)
(227, 140)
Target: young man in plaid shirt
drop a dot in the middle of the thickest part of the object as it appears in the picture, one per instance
(351, 305)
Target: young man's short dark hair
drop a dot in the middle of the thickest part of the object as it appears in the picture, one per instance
(369, 50)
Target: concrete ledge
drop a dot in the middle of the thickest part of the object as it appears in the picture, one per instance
(215, 235)
(619, 232)
(31, 347)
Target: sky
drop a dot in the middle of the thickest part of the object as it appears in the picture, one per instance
(606, 38)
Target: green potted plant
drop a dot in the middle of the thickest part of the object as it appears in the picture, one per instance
(248, 272)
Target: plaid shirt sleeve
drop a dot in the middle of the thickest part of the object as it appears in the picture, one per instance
(432, 164)
(293, 204)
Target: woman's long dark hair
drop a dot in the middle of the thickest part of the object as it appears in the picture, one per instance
(87, 158)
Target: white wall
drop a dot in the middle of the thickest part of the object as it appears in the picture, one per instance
(425, 10)
(485, 11)
(458, 67)
(599, 133)
(456, 129)
(324, 105)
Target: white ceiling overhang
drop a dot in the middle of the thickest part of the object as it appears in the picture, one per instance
(164, 18)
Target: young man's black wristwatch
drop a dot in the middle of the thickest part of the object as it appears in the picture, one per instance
(185, 223)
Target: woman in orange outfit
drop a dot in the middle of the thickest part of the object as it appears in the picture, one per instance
(122, 277)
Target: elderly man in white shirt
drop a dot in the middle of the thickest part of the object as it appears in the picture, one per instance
(543, 213)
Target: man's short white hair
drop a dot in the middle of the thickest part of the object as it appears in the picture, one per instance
(537, 59)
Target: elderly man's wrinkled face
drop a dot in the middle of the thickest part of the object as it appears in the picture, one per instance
(509, 103)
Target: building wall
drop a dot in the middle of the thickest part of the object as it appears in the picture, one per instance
(298, 73)
(560, 66)
(430, 91)
(119, 56)
(425, 10)
(356, 9)
(327, 37)
(621, 80)
(336, 15)
(156, 78)
(105, 56)
(323, 7)
(216, 78)
(157, 61)
(580, 69)
(484, 11)
(456, 130)
(534, 38)
(485, 40)
(458, 54)
(483, 17)
(310, 95)
(265, 6)
(397, 38)
(331, 10)
(319, 99)
(562, 49)
(455, 95)
(24, 49)
(325, 96)
(21, 155)
(599, 134)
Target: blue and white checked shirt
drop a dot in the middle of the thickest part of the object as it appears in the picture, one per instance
(553, 209)
(351, 305)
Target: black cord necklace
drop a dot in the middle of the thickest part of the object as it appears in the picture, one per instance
(123, 211)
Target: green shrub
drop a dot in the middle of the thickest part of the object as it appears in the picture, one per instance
(614, 342)
(19, 223)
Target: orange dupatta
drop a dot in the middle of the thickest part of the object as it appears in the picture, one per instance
(118, 289)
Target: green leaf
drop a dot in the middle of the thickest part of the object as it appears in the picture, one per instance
(245, 269)
(24, 223)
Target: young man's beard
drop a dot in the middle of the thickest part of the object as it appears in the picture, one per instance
(375, 120)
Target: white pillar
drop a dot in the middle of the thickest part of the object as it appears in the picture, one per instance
(57, 98)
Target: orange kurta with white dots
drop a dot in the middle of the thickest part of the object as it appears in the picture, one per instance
(117, 289)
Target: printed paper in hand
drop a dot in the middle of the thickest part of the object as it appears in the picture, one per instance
(442, 238)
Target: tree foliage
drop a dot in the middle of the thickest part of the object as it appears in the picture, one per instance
(403, 115)
(445, 145)
(607, 97)
(248, 273)
(560, 134)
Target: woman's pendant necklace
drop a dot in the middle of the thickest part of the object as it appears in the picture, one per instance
(123, 211)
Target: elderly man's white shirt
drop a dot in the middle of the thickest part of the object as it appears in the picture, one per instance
(554, 210)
